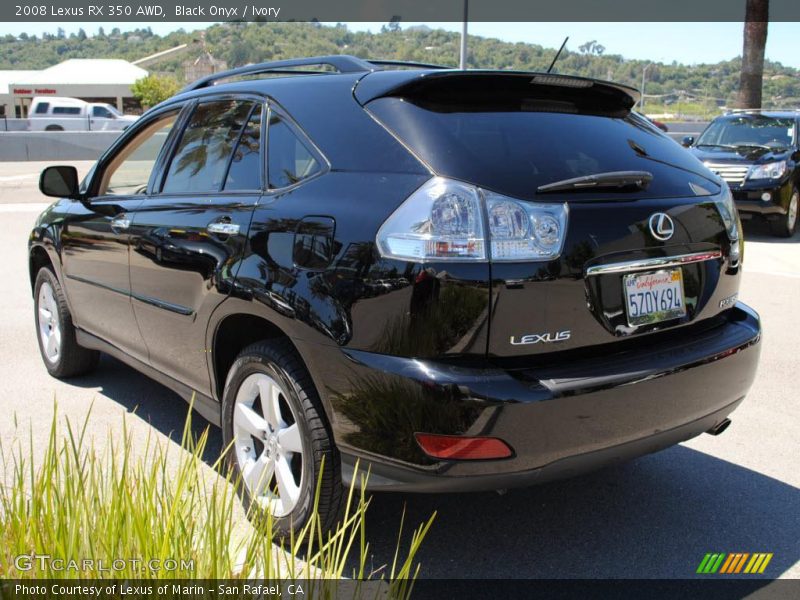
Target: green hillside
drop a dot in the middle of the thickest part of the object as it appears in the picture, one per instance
(675, 87)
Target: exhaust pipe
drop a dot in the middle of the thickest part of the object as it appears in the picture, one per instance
(719, 427)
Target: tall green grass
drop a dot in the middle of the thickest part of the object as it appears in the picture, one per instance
(157, 501)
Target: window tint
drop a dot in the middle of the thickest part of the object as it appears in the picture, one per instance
(206, 146)
(41, 108)
(514, 147)
(129, 171)
(99, 111)
(289, 158)
(245, 169)
(66, 110)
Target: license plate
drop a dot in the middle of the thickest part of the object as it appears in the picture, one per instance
(654, 297)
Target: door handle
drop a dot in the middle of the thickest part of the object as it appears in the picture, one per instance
(120, 222)
(223, 228)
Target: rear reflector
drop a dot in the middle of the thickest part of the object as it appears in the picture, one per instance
(458, 447)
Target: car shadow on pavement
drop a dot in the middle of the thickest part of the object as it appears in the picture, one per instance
(150, 401)
(652, 518)
(655, 517)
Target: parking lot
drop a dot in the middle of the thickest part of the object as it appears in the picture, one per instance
(655, 517)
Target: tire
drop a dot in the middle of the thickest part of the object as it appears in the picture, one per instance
(263, 449)
(55, 331)
(54, 128)
(787, 225)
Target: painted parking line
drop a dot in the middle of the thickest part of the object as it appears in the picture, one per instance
(18, 177)
(14, 207)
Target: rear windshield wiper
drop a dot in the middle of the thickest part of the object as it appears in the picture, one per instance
(634, 180)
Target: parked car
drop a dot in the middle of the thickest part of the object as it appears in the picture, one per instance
(459, 280)
(758, 154)
(52, 113)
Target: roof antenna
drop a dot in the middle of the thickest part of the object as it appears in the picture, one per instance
(552, 64)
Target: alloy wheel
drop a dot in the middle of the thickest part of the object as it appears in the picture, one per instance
(268, 444)
(791, 216)
(49, 324)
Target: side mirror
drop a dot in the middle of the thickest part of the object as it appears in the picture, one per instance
(687, 141)
(60, 182)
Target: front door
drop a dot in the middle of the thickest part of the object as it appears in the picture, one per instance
(96, 238)
(189, 236)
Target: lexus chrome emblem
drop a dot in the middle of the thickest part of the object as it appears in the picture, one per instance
(661, 226)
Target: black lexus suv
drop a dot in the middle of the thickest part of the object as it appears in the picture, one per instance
(461, 280)
(758, 154)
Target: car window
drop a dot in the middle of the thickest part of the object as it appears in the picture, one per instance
(289, 159)
(206, 146)
(66, 110)
(99, 111)
(130, 169)
(41, 108)
(245, 170)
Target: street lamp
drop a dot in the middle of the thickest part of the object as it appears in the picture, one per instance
(462, 62)
(644, 75)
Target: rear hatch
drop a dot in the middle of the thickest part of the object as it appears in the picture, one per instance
(651, 221)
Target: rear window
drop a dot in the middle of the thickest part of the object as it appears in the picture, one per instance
(289, 159)
(66, 110)
(206, 147)
(515, 145)
(41, 108)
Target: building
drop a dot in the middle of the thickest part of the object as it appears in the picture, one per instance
(203, 66)
(90, 79)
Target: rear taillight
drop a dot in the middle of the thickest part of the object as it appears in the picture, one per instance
(450, 220)
(458, 447)
(730, 218)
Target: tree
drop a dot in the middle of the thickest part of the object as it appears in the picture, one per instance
(592, 47)
(81, 35)
(153, 89)
(751, 80)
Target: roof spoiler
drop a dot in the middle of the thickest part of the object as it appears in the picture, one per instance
(455, 84)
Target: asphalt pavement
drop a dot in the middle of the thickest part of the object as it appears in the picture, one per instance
(654, 517)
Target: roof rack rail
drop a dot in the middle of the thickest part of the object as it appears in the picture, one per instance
(406, 63)
(342, 63)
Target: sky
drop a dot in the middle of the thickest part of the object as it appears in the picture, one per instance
(686, 43)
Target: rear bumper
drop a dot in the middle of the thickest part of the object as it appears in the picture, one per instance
(560, 419)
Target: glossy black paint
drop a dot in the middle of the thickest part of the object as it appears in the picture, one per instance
(396, 347)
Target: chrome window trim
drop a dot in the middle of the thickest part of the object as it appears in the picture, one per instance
(654, 263)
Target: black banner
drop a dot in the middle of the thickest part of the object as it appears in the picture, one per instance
(707, 588)
(386, 10)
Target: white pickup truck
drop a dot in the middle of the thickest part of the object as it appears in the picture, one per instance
(51, 113)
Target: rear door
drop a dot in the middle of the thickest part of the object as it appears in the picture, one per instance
(187, 237)
(510, 135)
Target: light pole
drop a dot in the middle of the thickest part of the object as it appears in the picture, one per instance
(644, 75)
(462, 61)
